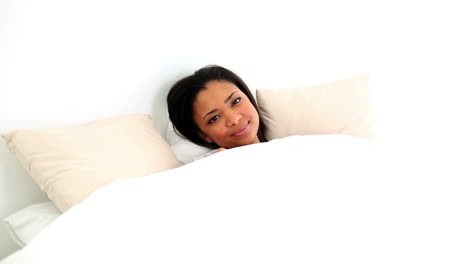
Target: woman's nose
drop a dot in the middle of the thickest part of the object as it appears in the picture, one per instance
(233, 118)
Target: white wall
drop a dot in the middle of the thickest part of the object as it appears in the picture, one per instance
(68, 62)
(84, 51)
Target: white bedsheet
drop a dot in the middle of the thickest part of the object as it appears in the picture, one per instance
(302, 199)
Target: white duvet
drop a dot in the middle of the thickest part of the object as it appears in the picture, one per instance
(301, 199)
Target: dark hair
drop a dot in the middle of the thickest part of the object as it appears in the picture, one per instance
(182, 95)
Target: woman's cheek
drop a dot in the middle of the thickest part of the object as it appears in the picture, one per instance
(254, 111)
(218, 132)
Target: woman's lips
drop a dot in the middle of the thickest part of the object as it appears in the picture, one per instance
(243, 131)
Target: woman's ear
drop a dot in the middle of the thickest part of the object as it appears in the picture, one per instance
(205, 137)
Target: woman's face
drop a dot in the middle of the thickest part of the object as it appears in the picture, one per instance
(225, 116)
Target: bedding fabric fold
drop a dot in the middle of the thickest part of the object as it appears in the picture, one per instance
(300, 199)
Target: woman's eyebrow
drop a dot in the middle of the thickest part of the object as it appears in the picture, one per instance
(229, 97)
(225, 101)
(210, 112)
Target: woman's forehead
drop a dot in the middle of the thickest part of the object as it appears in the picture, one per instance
(215, 91)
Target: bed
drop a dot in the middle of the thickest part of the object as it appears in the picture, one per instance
(91, 170)
(283, 204)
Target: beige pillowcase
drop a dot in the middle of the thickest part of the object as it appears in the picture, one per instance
(336, 107)
(70, 163)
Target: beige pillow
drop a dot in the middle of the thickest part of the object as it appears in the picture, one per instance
(336, 107)
(70, 163)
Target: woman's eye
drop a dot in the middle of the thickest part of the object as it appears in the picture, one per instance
(236, 101)
(212, 120)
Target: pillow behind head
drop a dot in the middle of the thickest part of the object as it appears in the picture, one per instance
(70, 163)
(336, 107)
(185, 150)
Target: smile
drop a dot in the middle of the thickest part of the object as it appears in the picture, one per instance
(243, 131)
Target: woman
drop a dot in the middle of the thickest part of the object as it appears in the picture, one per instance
(214, 108)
